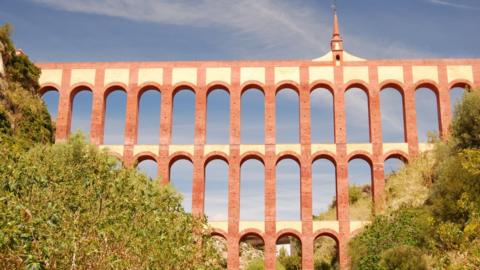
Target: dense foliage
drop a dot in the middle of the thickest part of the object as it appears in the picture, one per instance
(71, 206)
(22, 113)
(438, 227)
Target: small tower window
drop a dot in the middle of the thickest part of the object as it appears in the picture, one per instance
(337, 57)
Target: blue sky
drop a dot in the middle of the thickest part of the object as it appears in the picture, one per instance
(101, 30)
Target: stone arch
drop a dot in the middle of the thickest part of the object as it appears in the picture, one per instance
(179, 155)
(398, 154)
(216, 171)
(218, 114)
(391, 111)
(47, 87)
(322, 113)
(287, 84)
(291, 241)
(51, 97)
(252, 114)
(322, 84)
(288, 155)
(427, 111)
(182, 86)
(114, 114)
(83, 114)
(324, 187)
(148, 86)
(288, 187)
(255, 240)
(357, 130)
(183, 114)
(251, 231)
(149, 102)
(324, 155)
(219, 232)
(252, 155)
(252, 84)
(112, 87)
(288, 232)
(143, 163)
(183, 182)
(326, 232)
(217, 85)
(287, 113)
(462, 83)
(362, 184)
(327, 241)
(252, 188)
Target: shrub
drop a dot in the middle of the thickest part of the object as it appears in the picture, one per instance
(403, 258)
(67, 206)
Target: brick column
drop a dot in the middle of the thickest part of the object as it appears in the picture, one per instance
(378, 176)
(98, 109)
(131, 117)
(305, 170)
(198, 194)
(270, 171)
(341, 169)
(165, 126)
(443, 101)
(64, 115)
(410, 114)
(234, 172)
(476, 75)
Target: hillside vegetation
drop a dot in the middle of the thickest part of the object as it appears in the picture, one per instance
(70, 206)
(432, 216)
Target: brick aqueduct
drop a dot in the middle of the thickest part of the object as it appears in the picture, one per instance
(337, 71)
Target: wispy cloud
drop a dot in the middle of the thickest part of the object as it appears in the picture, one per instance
(453, 4)
(267, 22)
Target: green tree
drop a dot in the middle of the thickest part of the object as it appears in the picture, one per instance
(67, 206)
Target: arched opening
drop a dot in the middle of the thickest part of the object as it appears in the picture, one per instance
(427, 113)
(456, 95)
(252, 179)
(391, 106)
(287, 117)
(391, 166)
(288, 190)
(252, 249)
(253, 117)
(325, 253)
(360, 189)
(221, 245)
(82, 111)
(324, 189)
(321, 115)
(218, 117)
(115, 112)
(149, 167)
(181, 177)
(216, 190)
(149, 108)
(289, 252)
(357, 116)
(50, 97)
(183, 117)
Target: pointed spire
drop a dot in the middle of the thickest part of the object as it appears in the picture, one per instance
(336, 29)
(336, 43)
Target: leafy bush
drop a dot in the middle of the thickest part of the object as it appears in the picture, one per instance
(67, 206)
(403, 258)
(465, 126)
(406, 226)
